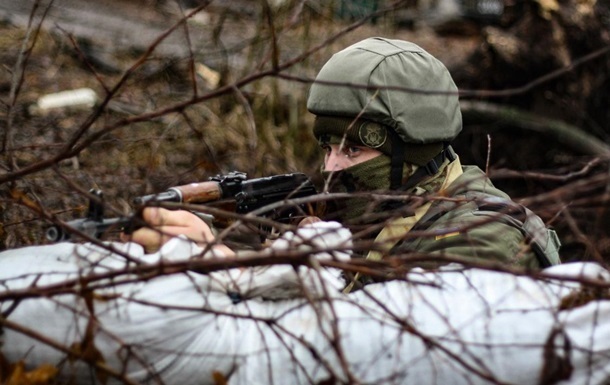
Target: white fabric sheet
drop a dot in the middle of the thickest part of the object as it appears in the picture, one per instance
(287, 325)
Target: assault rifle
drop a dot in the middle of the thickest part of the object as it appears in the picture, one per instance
(245, 194)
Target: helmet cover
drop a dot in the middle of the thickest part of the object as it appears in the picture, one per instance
(391, 82)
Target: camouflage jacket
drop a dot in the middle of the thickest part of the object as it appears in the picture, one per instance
(479, 221)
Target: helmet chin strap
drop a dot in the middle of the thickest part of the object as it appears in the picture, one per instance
(431, 168)
(396, 165)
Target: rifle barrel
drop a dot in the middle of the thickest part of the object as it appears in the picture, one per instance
(88, 226)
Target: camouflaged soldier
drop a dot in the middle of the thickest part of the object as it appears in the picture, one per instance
(386, 111)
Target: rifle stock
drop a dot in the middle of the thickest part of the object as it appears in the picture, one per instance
(245, 194)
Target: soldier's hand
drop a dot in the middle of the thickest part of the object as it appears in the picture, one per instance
(165, 224)
(308, 220)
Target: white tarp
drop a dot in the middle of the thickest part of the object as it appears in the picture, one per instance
(458, 326)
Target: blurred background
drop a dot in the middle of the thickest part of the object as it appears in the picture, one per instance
(176, 91)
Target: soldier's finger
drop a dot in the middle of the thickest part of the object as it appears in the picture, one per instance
(308, 221)
(150, 239)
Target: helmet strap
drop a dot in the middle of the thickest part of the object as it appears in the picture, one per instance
(431, 168)
(397, 161)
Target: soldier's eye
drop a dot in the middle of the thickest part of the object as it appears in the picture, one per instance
(352, 151)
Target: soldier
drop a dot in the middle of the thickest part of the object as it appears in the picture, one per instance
(386, 112)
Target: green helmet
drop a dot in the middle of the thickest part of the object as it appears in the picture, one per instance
(392, 96)
(395, 84)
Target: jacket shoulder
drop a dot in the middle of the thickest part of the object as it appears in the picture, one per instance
(477, 220)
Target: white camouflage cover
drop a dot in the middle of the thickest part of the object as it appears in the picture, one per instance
(286, 324)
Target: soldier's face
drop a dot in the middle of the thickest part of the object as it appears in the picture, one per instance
(340, 157)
